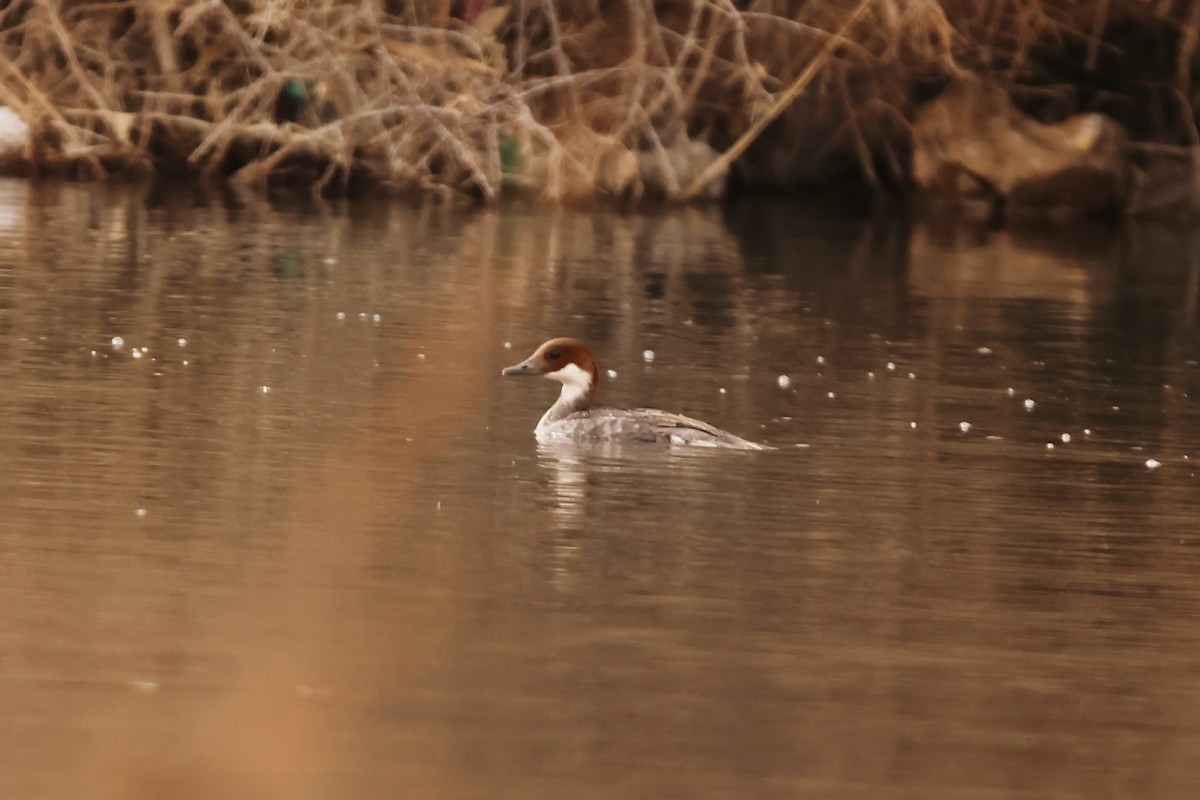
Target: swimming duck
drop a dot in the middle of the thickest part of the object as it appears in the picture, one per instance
(572, 417)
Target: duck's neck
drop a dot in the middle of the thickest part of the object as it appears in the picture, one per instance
(579, 389)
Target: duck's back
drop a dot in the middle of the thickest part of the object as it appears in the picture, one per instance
(642, 425)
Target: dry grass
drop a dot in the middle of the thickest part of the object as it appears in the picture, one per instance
(565, 98)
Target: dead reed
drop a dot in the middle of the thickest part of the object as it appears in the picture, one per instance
(562, 98)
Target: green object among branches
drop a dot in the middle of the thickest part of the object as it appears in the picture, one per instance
(297, 90)
(510, 155)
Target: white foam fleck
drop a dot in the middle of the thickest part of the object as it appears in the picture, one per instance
(1029, 404)
(1066, 437)
(341, 315)
(784, 381)
(182, 342)
(1153, 463)
(820, 359)
(831, 395)
(964, 426)
(648, 356)
(612, 374)
(265, 389)
(118, 342)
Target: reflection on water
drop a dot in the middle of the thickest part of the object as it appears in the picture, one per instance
(272, 526)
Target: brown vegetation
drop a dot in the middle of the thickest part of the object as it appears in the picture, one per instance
(616, 97)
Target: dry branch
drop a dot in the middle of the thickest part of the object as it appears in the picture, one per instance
(789, 95)
(475, 95)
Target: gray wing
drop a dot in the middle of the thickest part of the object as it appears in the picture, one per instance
(651, 425)
(679, 429)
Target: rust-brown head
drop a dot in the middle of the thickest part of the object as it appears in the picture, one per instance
(567, 361)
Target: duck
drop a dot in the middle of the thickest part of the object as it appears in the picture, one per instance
(572, 417)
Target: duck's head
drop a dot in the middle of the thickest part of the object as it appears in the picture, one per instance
(565, 360)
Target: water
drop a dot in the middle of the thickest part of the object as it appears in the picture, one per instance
(304, 546)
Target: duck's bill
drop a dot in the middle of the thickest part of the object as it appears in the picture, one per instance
(526, 367)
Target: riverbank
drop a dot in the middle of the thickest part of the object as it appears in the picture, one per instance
(670, 100)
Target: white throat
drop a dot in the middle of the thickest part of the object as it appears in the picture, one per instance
(576, 388)
(576, 383)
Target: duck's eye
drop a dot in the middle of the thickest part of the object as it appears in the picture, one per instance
(554, 355)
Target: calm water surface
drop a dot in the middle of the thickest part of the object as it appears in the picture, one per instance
(272, 525)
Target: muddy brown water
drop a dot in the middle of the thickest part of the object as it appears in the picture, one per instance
(303, 545)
